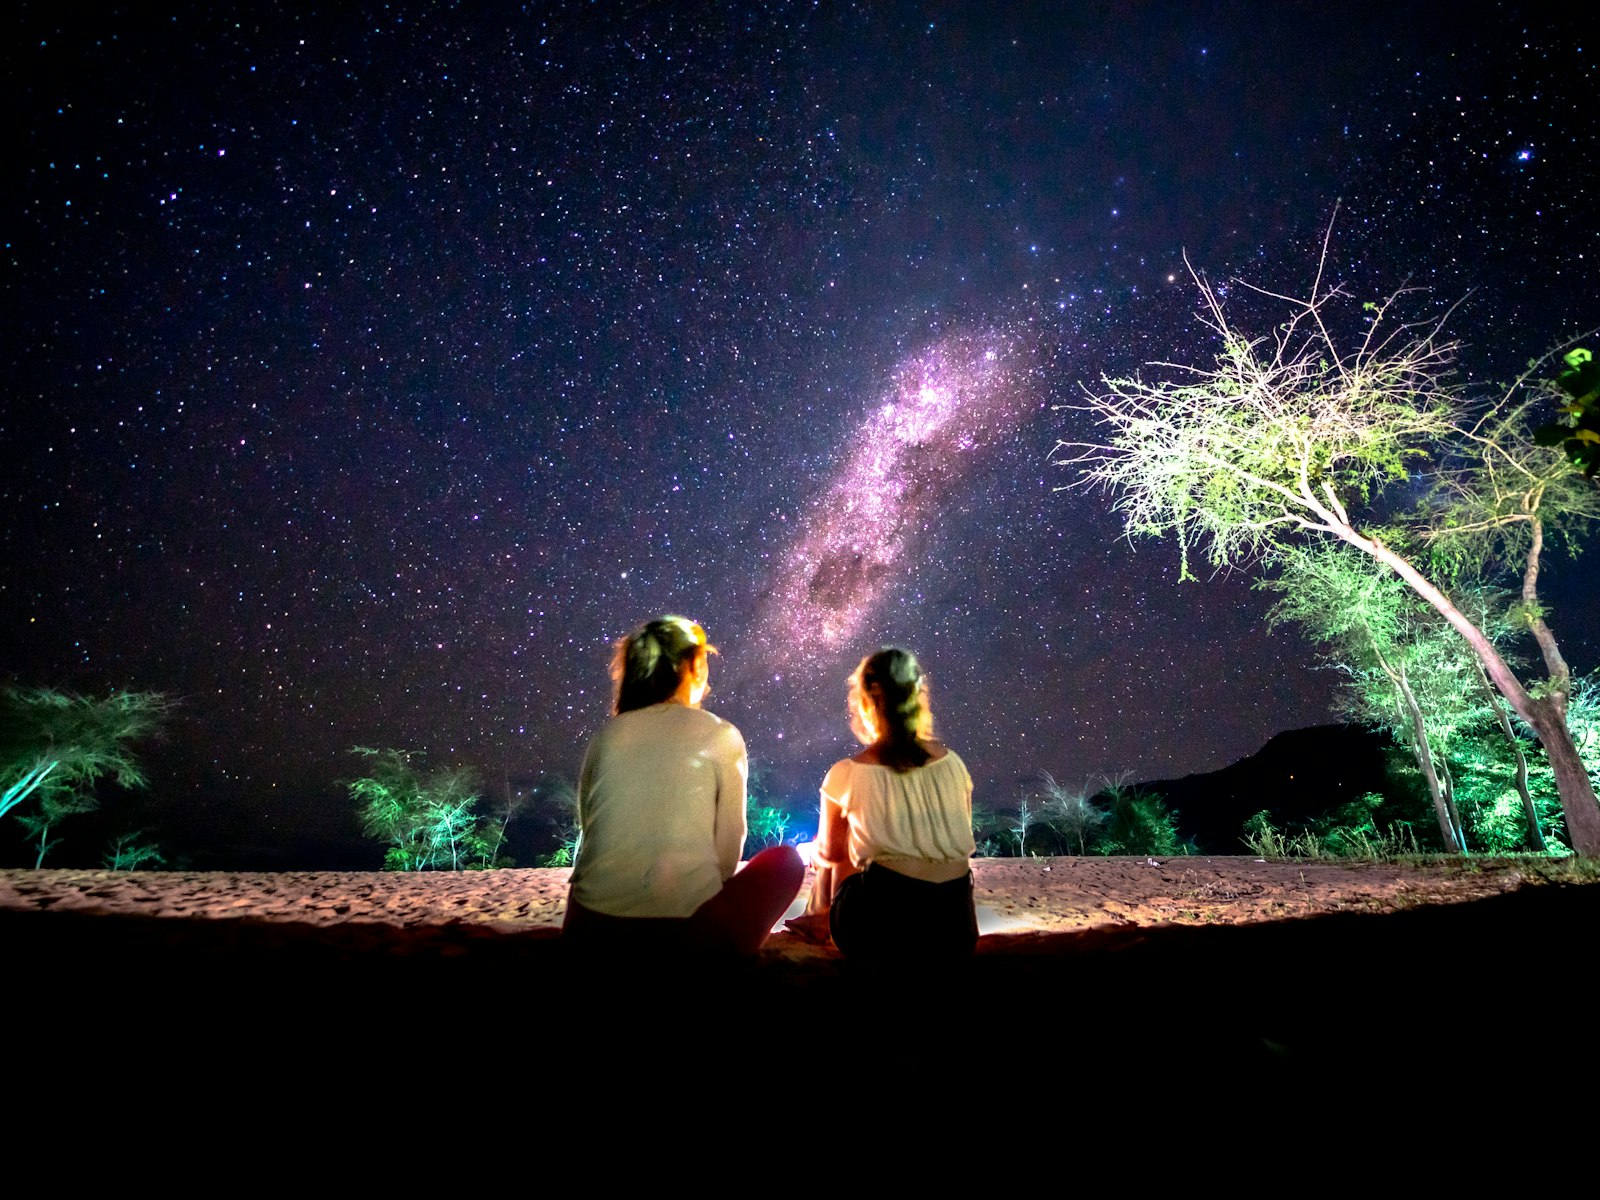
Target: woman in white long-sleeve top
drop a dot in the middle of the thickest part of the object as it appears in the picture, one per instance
(661, 806)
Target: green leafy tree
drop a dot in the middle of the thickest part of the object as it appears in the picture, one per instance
(1022, 821)
(767, 821)
(1577, 394)
(990, 831)
(129, 852)
(1303, 433)
(768, 825)
(55, 747)
(1488, 757)
(427, 820)
(1406, 670)
(557, 799)
(1137, 822)
(1495, 797)
(489, 837)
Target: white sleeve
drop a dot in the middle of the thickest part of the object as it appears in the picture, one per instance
(733, 770)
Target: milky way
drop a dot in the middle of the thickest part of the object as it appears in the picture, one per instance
(942, 410)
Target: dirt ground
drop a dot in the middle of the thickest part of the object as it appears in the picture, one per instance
(1223, 965)
(1014, 895)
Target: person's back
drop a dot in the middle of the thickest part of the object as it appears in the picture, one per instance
(894, 880)
(661, 812)
(916, 821)
(661, 798)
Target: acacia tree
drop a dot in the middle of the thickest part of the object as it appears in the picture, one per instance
(1407, 671)
(1378, 637)
(1493, 618)
(428, 820)
(557, 797)
(56, 746)
(129, 851)
(1281, 436)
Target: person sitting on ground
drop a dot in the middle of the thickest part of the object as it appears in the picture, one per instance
(661, 810)
(894, 881)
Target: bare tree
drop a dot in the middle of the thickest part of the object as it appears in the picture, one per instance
(1282, 435)
(1069, 812)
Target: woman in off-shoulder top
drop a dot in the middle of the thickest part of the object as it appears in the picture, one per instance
(894, 880)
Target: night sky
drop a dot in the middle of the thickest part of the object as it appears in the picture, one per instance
(367, 375)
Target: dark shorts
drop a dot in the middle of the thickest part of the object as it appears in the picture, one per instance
(883, 916)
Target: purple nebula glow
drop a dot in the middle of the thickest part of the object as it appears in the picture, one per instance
(942, 409)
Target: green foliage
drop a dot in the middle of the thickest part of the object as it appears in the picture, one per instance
(1295, 436)
(1273, 438)
(1405, 670)
(428, 821)
(1349, 833)
(129, 852)
(566, 854)
(555, 802)
(1491, 809)
(1577, 390)
(1501, 495)
(990, 832)
(55, 805)
(1138, 823)
(768, 822)
(56, 746)
(1583, 719)
(1053, 819)
(768, 825)
(1024, 819)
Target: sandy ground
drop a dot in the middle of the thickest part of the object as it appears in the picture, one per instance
(1014, 896)
(1213, 968)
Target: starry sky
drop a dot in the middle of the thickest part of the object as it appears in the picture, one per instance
(370, 368)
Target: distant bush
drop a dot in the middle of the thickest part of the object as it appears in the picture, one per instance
(1350, 832)
(1138, 823)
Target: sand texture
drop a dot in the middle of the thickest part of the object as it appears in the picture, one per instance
(1014, 895)
(1221, 964)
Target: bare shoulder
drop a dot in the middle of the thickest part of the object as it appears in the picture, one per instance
(936, 750)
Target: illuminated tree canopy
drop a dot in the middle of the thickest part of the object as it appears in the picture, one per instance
(1317, 431)
(56, 746)
(1405, 669)
(427, 819)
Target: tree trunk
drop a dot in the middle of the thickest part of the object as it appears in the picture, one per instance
(1578, 803)
(1572, 778)
(1423, 753)
(1555, 666)
(1449, 782)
